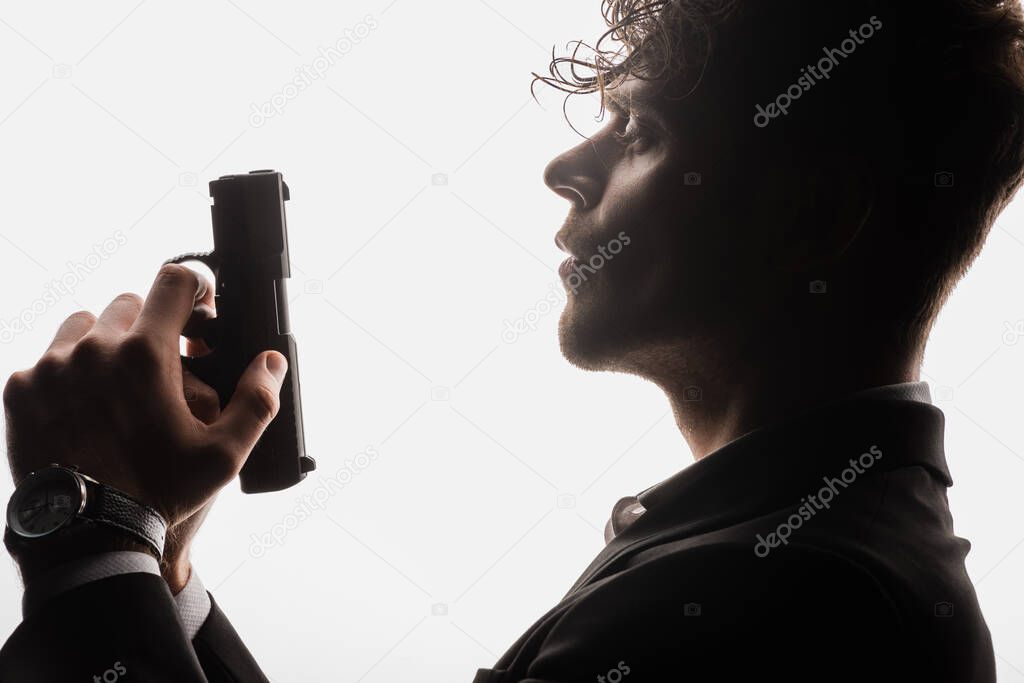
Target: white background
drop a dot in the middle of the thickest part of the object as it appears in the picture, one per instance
(114, 116)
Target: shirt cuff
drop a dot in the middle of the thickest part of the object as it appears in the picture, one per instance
(193, 602)
(82, 571)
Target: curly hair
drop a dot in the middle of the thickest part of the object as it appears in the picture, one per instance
(651, 39)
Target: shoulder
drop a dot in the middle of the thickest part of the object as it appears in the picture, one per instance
(715, 608)
(730, 573)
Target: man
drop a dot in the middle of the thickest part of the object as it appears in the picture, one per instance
(782, 200)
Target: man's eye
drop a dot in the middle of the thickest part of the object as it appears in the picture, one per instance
(634, 134)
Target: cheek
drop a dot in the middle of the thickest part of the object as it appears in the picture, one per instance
(650, 202)
(641, 196)
(680, 258)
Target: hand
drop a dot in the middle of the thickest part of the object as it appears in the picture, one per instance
(107, 396)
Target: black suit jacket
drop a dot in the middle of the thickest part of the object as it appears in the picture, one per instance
(871, 587)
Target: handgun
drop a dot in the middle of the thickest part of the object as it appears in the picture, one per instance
(250, 264)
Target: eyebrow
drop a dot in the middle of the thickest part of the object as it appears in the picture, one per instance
(620, 103)
(647, 106)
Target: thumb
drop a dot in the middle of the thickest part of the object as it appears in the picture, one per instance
(253, 405)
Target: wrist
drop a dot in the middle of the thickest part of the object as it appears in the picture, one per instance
(58, 515)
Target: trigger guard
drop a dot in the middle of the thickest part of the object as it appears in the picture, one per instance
(207, 258)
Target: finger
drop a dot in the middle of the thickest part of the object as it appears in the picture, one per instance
(195, 347)
(194, 326)
(253, 405)
(208, 298)
(71, 330)
(204, 310)
(169, 304)
(119, 315)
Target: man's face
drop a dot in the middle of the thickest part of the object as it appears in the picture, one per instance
(663, 247)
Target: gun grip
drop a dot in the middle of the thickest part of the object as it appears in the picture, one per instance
(205, 368)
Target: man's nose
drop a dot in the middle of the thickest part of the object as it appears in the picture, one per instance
(577, 174)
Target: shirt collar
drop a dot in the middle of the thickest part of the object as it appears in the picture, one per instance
(906, 391)
(774, 462)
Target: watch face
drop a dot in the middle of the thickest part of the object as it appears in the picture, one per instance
(44, 502)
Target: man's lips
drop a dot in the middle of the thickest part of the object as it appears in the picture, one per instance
(566, 267)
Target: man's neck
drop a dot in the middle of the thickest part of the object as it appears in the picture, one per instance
(713, 408)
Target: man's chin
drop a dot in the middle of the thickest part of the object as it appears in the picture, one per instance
(592, 338)
(620, 335)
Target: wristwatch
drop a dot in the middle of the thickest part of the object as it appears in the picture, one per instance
(56, 498)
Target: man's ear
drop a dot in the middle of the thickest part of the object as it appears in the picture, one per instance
(835, 204)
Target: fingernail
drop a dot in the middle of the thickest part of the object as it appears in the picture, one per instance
(277, 365)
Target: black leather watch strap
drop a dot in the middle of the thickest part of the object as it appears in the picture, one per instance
(112, 508)
(86, 503)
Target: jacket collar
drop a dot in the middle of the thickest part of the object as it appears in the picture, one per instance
(792, 456)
